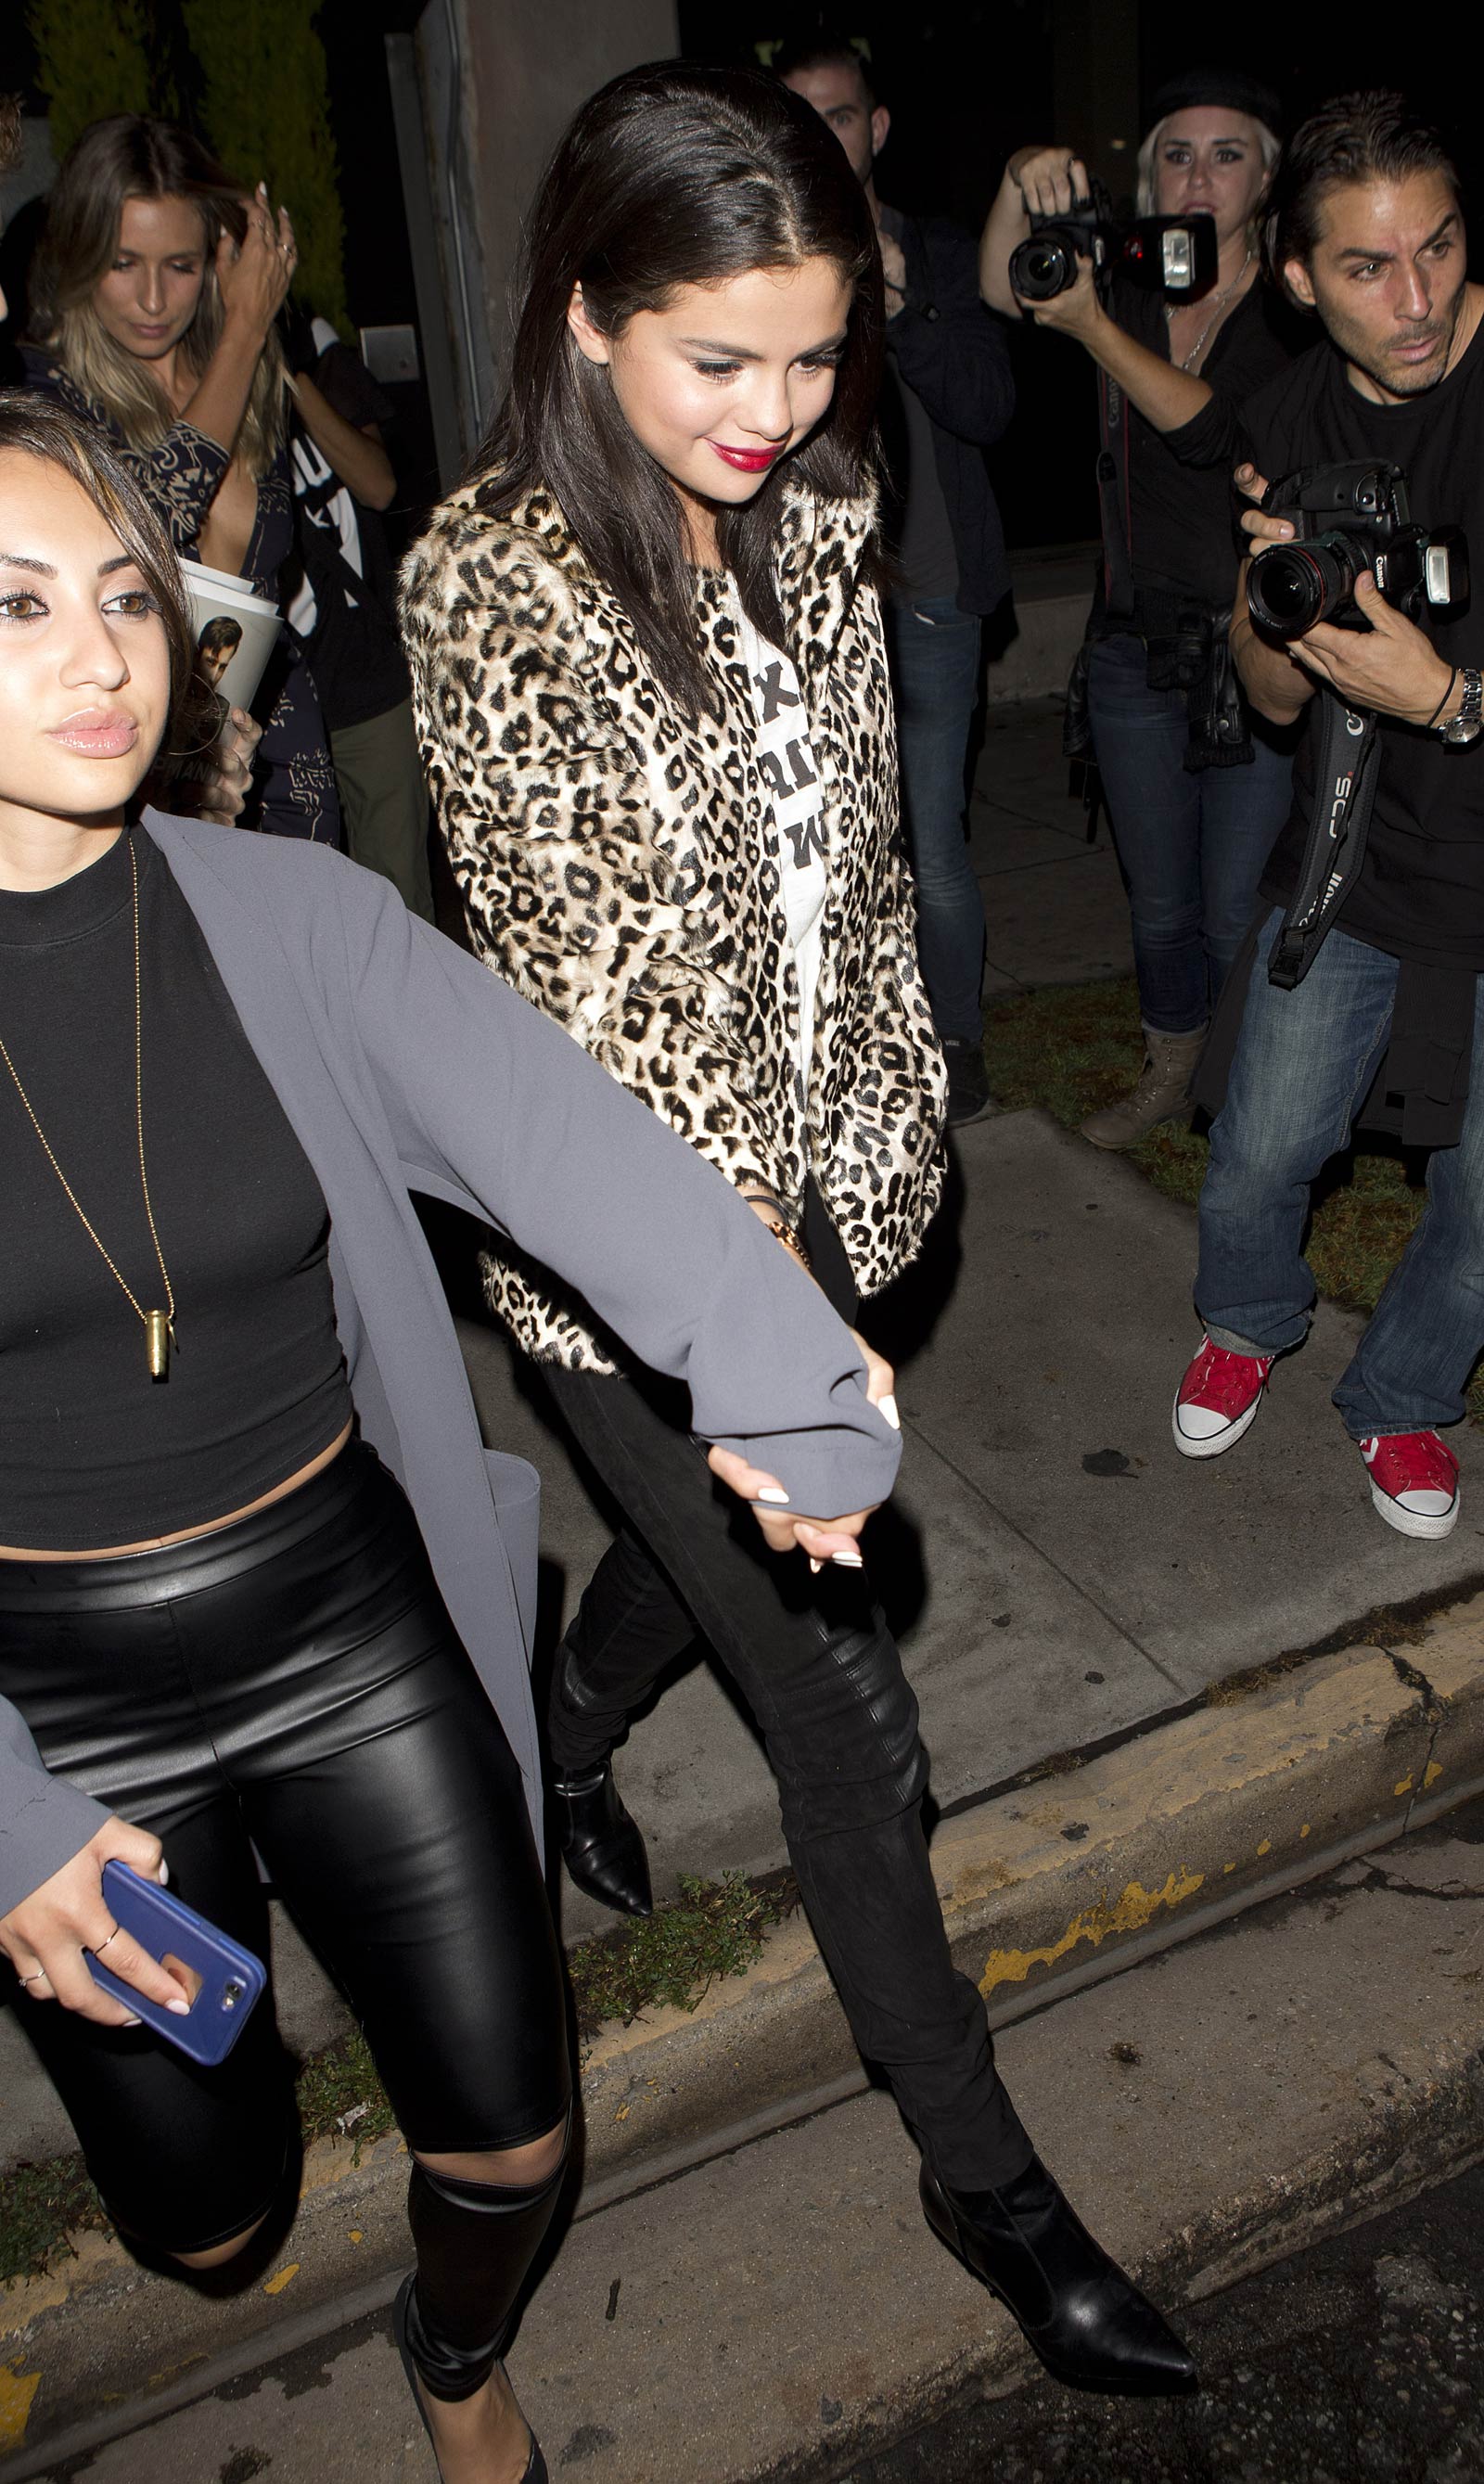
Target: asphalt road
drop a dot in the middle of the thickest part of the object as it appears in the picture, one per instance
(1357, 2362)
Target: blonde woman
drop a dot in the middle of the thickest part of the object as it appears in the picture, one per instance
(153, 301)
(1197, 790)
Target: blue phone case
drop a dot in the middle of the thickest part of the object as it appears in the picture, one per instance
(231, 1977)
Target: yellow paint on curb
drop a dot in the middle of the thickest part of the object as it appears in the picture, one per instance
(1434, 1772)
(1127, 1914)
(1266, 1846)
(1405, 1785)
(17, 2389)
(275, 2284)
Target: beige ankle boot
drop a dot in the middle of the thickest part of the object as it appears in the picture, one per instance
(1162, 1093)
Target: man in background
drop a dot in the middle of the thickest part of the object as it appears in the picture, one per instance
(345, 608)
(947, 397)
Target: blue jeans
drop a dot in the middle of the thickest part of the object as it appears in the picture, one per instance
(1304, 1063)
(935, 670)
(1191, 846)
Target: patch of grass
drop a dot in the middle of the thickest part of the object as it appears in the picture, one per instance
(341, 2095)
(41, 2207)
(1073, 1048)
(672, 1957)
(676, 1954)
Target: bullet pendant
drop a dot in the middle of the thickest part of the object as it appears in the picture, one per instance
(157, 1338)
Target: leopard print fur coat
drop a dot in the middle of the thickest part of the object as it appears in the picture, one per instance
(619, 866)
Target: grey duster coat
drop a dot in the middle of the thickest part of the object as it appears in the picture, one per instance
(405, 1066)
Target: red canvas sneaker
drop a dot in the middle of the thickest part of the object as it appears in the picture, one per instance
(1217, 1399)
(1413, 1481)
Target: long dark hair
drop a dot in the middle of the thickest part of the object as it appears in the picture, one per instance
(40, 428)
(1352, 138)
(672, 176)
(130, 156)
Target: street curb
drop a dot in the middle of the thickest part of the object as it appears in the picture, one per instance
(1271, 1781)
(1046, 1888)
(1396, 2150)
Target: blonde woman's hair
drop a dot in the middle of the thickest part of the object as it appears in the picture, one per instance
(132, 157)
(1147, 191)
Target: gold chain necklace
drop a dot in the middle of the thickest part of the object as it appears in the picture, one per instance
(1215, 311)
(159, 1326)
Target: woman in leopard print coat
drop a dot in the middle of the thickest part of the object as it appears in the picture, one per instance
(648, 669)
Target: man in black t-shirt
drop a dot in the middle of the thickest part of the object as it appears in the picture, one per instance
(1367, 231)
(947, 395)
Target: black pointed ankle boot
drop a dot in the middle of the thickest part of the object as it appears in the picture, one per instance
(1087, 2321)
(601, 1845)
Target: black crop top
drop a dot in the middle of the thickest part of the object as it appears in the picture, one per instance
(92, 1450)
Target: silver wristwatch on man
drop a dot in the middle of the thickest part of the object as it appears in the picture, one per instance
(1469, 723)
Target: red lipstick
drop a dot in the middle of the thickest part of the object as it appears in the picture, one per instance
(747, 461)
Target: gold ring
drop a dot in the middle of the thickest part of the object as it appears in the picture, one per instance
(40, 1976)
(112, 1936)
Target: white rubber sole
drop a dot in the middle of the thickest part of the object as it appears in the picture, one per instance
(1410, 1521)
(1219, 1441)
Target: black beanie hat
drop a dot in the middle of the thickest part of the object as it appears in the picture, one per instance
(1233, 87)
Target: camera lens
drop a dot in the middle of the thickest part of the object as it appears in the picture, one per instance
(1041, 268)
(1292, 586)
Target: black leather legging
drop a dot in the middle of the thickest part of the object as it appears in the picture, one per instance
(822, 1675)
(293, 1684)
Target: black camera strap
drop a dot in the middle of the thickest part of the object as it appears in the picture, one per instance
(1346, 761)
(1112, 497)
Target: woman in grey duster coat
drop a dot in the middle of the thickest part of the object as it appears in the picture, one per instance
(262, 1587)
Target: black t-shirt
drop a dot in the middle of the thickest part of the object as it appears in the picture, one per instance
(1420, 889)
(92, 1450)
(1180, 513)
(349, 629)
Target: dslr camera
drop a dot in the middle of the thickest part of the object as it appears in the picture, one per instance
(1176, 256)
(1346, 519)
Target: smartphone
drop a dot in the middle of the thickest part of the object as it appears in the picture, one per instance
(224, 1980)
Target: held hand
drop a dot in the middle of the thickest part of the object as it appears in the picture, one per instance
(831, 1539)
(1392, 667)
(225, 787)
(1076, 313)
(46, 1935)
(1255, 522)
(254, 275)
(1050, 179)
(893, 272)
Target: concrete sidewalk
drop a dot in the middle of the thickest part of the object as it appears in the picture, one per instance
(781, 2310)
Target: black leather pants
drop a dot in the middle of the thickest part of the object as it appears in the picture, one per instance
(823, 1679)
(293, 1684)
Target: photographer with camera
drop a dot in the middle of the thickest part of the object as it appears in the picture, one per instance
(1364, 976)
(1197, 793)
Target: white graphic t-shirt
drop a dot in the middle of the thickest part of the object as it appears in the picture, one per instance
(785, 763)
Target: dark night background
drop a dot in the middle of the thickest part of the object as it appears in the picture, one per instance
(966, 84)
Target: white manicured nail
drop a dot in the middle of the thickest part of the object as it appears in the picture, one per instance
(164, 1874)
(178, 2009)
(815, 1566)
(887, 1405)
(848, 1560)
(774, 1493)
(132, 2021)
